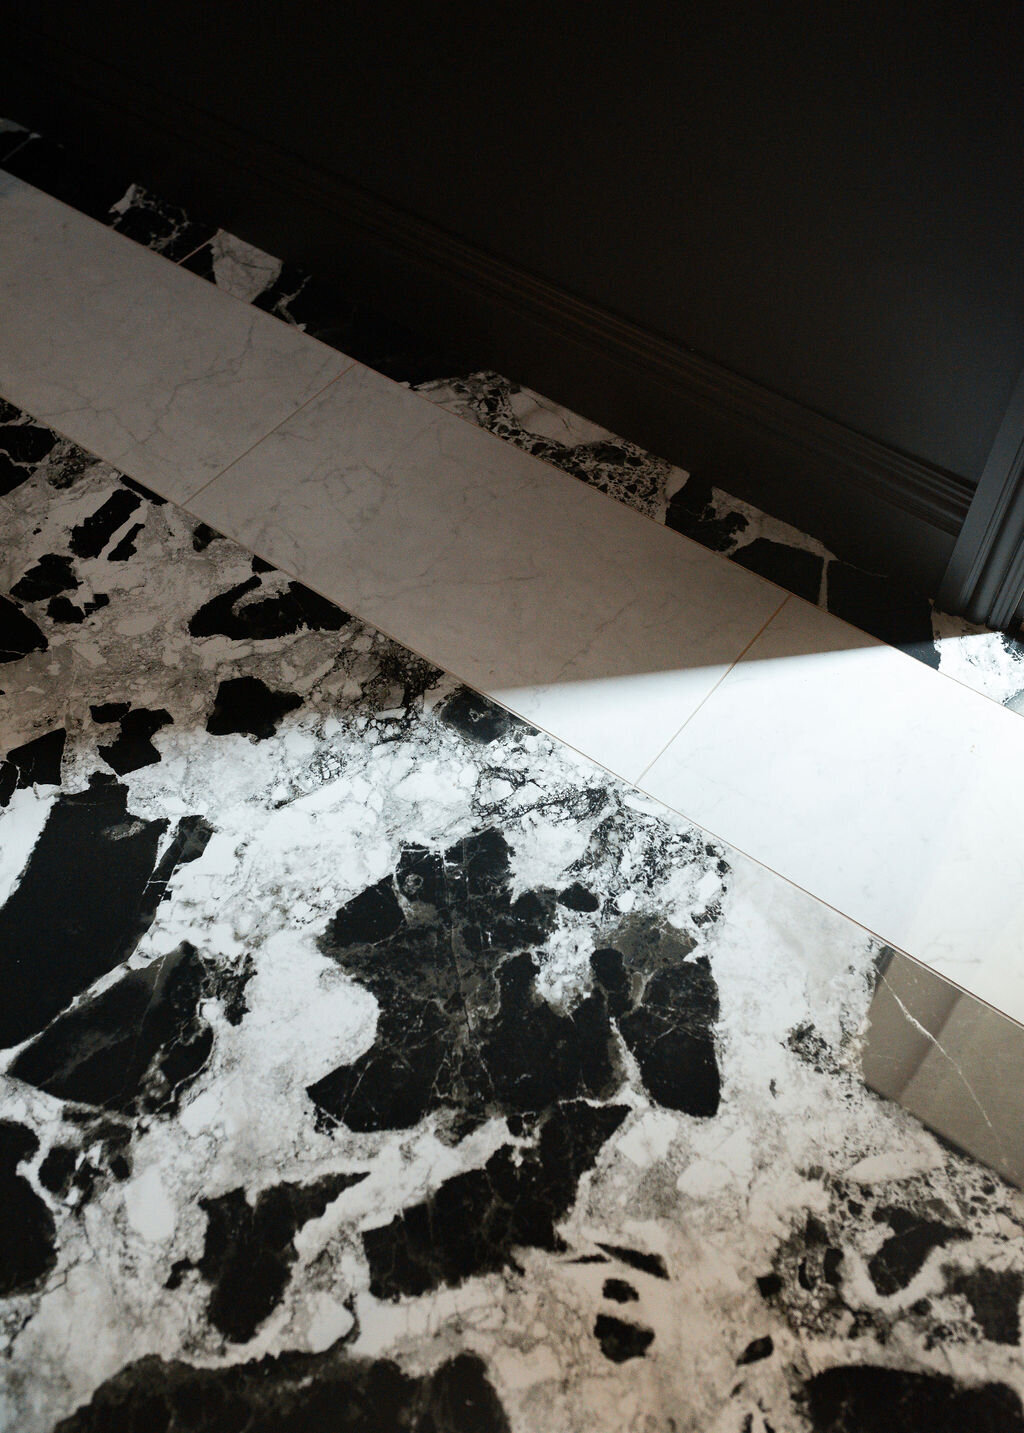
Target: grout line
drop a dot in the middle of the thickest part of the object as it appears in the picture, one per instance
(182, 506)
(920, 960)
(269, 433)
(636, 514)
(635, 781)
(631, 782)
(643, 516)
(185, 258)
(223, 295)
(818, 605)
(17, 150)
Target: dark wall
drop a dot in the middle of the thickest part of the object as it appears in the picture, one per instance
(827, 199)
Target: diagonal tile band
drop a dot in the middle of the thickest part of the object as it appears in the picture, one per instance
(593, 622)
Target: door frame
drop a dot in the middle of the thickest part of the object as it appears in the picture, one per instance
(984, 580)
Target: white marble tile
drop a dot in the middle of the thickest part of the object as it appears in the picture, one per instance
(586, 618)
(136, 359)
(890, 793)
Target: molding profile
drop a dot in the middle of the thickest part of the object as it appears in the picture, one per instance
(874, 505)
(985, 577)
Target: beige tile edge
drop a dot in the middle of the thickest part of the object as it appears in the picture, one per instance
(785, 594)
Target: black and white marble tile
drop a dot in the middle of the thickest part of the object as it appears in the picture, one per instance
(990, 663)
(371, 1061)
(299, 298)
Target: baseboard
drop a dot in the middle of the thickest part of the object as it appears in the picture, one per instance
(874, 505)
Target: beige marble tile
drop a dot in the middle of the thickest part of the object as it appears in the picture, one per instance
(884, 789)
(142, 363)
(583, 616)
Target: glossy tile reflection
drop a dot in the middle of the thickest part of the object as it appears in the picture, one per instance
(890, 794)
(372, 1061)
(127, 354)
(950, 1059)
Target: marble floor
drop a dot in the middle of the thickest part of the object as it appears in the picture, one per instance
(392, 1049)
(394, 1066)
(450, 518)
(872, 601)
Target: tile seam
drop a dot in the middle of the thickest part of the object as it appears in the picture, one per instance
(268, 434)
(705, 699)
(629, 781)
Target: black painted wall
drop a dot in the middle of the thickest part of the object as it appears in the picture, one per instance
(827, 199)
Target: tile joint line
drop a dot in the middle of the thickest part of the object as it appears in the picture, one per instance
(635, 780)
(618, 776)
(947, 675)
(190, 255)
(270, 432)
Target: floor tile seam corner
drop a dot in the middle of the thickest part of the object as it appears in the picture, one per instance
(290, 572)
(635, 514)
(638, 513)
(823, 901)
(16, 150)
(187, 498)
(218, 294)
(631, 782)
(917, 664)
(635, 780)
(184, 504)
(179, 263)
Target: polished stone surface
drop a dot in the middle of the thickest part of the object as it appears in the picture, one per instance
(857, 774)
(952, 1060)
(373, 1062)
(576, 612)
(132, 356)
(597, 625)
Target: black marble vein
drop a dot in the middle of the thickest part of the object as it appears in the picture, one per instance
(328, 1392)
(249, 1248)
(246, 705)
(133, 748)
(264, 618)
(477, 1220)
(19, 635)
(137, 1045)
(34, 763)
(101, 859)
(27, 1250)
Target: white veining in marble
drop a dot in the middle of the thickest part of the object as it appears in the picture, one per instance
(440, 1081)
(895, 797)
(469, 551)
(131, 356)
(579, 614)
